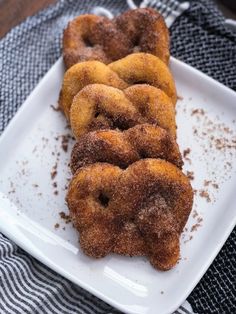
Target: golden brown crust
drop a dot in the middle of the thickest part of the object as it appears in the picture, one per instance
(99, 106)
(134, 69)
(147, 30)
(87, 197)
(83, 74)
(154, 105)
(91, 37)
(88, 188)
(123, 114)
(146, 68)
(129, 241)
(149, 202)
(124, 148)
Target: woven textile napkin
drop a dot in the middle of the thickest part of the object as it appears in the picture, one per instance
(199, 37)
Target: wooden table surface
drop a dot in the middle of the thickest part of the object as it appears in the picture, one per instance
(12, 12)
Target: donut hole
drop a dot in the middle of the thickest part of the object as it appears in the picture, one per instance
(122, 127)
(119, 123)
(143, 154)
(97, 111)
(136, 44)
(139, 82)
(103, 199)
(88, 42)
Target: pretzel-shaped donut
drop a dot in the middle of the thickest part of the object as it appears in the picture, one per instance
(83, 74)
(146, 68)
(124, 148)
(91, 37)
(133, 69)
(99, 106)
(128, 194)
(148, 203)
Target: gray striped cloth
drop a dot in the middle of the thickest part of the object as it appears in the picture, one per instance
(26, 53)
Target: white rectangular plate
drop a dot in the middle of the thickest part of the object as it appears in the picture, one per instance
(30, 206)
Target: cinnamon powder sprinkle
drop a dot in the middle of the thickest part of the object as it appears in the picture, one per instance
(54, 171)
(189, 239)
(55, 108)
(213, 184)
(66, 217)
(64, 142)
(190, 175)
(186, 152)
(65, 138)
(205, 194)
(197, 224)
(198, 111)
(195, 227)
(53, 174)
(56, 226)
(207, 182)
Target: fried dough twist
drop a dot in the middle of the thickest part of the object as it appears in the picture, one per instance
(128, 194)
(138, 68)
(91, 37)
(138, 211)
(99, 106)
(124, 148)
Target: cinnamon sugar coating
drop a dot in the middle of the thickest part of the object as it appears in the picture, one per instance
(124, 148)
(83, 74)
(138, 68)
(146, 68)
(99, 106)
(128, 194)
(138, 211)
(91, 37)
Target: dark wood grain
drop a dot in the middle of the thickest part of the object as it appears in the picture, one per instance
(12, 12)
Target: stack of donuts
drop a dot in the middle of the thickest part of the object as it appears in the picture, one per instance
(128, 194)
